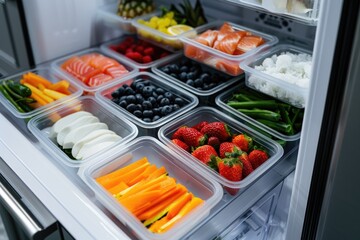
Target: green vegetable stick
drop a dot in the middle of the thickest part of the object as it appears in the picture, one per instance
(259, 113)
(264, 104)
(8, 97)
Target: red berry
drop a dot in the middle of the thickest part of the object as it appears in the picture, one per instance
(140, 49)
(134, 56)
(200, 125)
(204, 153)
(146, 59)
(214, 141)
(243, 142)
(149, 51)
(217, 129)
(178, 134)
(257, 157)
(193, 137)
(228, 147)
(181, 144)
(247, 167)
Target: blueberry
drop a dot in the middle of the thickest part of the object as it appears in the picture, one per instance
(133, 84)
(123, 103)
(147, 91)
(184, 61)
(190, 82)
(125, 86)
(205, 77)
(175, 107)
(159, 98)
(166, 110)
(155, 118)
(160, 91)
(138, 113)
(121, 91)
(154, 94)
(139, 87)
(148, 113)
(174, 68)
(166, 69)
(139, 107)
(139, 98)
(131, 107)
(152, 100)
(122, 98)
(191, 75)
(146, 82)
(198, 82)
(184, 69)
(115, 94)
(179, 101)
(129, 91)
(146, 119)
(147, 105)
(115, 100)
(170, 96)
(183, 76)
(131, 99)
(165, 101)
(174, 75)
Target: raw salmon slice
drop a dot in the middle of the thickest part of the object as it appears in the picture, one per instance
(87, 58)
(228, 67)
(99, 79)
(248, 43)
(90, 74)
(101, 62)
(79, 69)
(229, 43)
(208, 37)
(116, 71)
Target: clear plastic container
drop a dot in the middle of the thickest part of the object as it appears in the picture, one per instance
(50, 75)
(219, 60)
(191, 101)
(171, 41)
(206, 97)
(129, 66)
(223, 98)
(274, 150)
(292, 93)
(157, 153)
(107, 48)
(41, 124)
(306, 11)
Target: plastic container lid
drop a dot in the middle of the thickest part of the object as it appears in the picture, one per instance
(143, 31)
(50, 75)
(221, 101)
(129, 66)
(105, 96)
(157, 153)
(197, 92)
(41, 124)
(212, 56)
(106, 48)
(210, 114)
(293, 94)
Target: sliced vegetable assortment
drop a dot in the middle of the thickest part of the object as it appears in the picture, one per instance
(275, 114)
(147, 191)
(94, 69)
(233, 155)
(33, 91)
(194, 74)
(81, 135)
(139, 50)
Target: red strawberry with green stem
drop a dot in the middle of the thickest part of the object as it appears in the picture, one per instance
(243, 141)
(247, 167)
(227, 147)
(193, 137)
(231, 169)
(200, 125)
(178, 134)
(257, 157)
(181, 144)
(204, 153)
(217, 129)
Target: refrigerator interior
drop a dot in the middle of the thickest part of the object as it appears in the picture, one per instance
(259, 211)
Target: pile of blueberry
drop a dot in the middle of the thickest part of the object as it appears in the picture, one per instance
(146, 101)
(194, 74)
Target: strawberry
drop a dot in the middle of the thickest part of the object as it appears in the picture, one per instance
(204, 153)
(193, 137)
(228, 147)
(134, 56)
(257, 157)
(217, 129)
(178, 134)
(243, 142)
(231, 169)
(247, 167)
(139, 49)
(146, 59)
(214, 141)
(200, 125)
(149, 51)
(181, 144)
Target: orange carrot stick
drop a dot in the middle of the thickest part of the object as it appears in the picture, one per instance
(53, 94)
(118, 188)
(39, 93)
(37, 78)
(176, 206)
(135, 201)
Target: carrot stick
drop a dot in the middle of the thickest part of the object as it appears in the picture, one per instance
(118, 188)
(121, 171)
(195, 201)
(53, 94)
(156, 225)
(176, 206)
(135, 201)
(40, 86)
(38, 99)
(39, 79)
(150, 169)
(160, 171)
(39, 93)
(61, 86)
